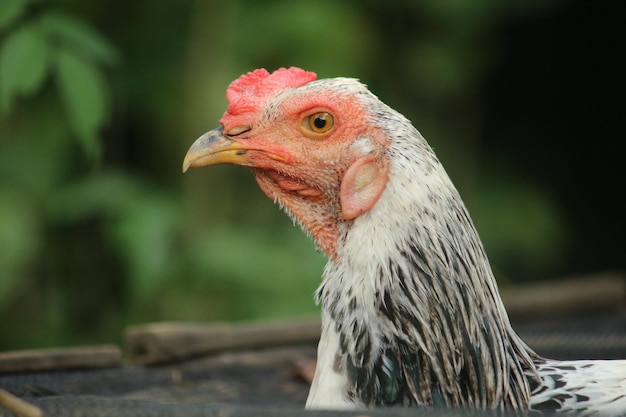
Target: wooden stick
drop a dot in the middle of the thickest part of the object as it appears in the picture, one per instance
(159, 342)
(60, 358)
(18, 406)
(582, 294)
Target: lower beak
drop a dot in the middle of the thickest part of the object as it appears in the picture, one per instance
(214, 148)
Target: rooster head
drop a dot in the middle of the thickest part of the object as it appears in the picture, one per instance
(313, 146)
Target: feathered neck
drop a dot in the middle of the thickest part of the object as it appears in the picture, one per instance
(413, 299)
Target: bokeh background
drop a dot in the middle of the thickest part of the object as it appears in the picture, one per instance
(100, 100)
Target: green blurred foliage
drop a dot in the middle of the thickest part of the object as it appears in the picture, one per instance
(99, 101)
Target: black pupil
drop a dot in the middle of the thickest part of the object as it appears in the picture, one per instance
(320, 121)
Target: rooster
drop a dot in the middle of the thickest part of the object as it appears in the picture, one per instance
(411, 313)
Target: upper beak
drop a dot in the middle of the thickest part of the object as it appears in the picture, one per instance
(214, 148)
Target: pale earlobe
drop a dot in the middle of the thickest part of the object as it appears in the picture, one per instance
(362, 185)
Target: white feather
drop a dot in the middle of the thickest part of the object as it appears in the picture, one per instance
(328, 390)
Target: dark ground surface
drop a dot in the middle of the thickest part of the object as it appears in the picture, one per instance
(262, 382)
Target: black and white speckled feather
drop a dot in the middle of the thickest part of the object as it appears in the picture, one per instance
(411, 310)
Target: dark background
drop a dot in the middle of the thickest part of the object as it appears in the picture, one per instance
(99, 229)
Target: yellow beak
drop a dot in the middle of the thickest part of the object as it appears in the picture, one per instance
(214, 148)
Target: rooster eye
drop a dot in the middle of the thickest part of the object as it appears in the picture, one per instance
(320, 122)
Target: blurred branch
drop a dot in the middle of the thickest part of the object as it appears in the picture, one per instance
(18, 406)
(60, 358)
(599, 292)
(160, 342)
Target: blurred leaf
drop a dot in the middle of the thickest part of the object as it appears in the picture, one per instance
(10, 10)
(31, 160)
(519, 225)
(23, 63)
(144, 235)
(256, 273)
(18, 238)
(102, 195)
(295, 37)
(440, 67)
(72, 33)
(83, 91)
(142, 223)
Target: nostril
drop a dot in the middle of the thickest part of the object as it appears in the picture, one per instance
(238, 130)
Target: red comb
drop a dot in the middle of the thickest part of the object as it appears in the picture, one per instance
(249, 92)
